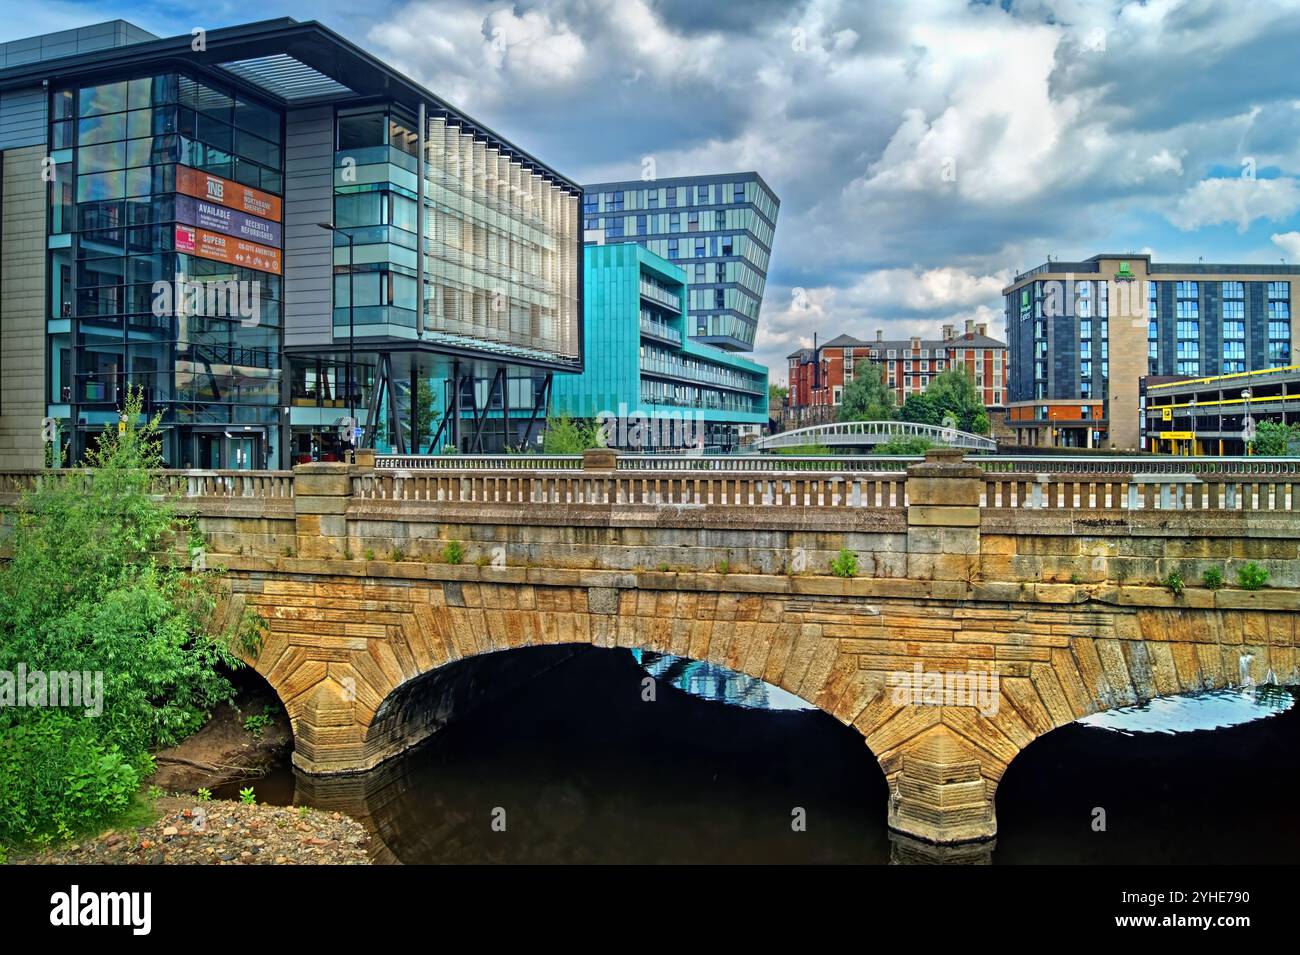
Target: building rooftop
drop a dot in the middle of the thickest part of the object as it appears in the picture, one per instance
(681, 181)
(1093, 266)
(289, 62)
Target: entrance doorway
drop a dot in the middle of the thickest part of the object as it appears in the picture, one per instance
(218, 450)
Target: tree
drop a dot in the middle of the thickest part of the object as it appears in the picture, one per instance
(1274, 439)
(866, 398)
(566, 436)
(91, 588)
(954, 396)
(921, 409)
(777, 393)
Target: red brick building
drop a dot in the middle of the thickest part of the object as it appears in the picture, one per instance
(817, 377)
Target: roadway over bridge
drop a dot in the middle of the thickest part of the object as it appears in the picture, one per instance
(868, 434)
(1041, 589)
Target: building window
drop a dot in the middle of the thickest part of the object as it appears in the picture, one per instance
(1279, 339)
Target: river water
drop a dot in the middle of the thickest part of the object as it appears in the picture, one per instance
(578, 767)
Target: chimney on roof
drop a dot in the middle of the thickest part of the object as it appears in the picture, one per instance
(916, 342)
(982, 328)
(947, 333)
(880, 335)
(970, 325)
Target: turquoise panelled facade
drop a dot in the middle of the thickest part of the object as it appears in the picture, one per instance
(641, 361)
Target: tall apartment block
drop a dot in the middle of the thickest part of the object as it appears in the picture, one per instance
(656, 387)
(1083, 335)
(818, 376)
(270, 232)
(719, 229)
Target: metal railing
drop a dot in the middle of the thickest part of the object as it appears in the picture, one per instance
(849, 433)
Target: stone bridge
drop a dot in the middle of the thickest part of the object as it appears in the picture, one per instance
(1041, 590)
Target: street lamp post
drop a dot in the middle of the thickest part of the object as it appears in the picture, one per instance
(352, 333)
(1245, 417)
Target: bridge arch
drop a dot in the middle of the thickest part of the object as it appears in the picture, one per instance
(344, 655)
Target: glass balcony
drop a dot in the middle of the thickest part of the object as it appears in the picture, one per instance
(660, 331)
(660, 295)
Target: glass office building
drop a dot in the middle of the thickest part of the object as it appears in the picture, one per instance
(718, 229)
(248, 235)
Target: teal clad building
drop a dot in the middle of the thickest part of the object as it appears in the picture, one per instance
(652, 386)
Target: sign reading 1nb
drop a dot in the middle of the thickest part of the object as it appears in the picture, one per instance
(1248, 429)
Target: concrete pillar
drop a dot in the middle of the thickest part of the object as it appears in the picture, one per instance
(943, 517)
(321, 493)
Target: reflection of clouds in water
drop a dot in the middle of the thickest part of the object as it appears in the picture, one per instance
(709, 681)
(1204, 711)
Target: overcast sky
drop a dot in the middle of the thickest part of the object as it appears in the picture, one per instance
(923, 152)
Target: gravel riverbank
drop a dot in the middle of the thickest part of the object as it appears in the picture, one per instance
(218, 832)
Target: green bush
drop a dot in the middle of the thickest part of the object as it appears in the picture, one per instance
(1174, 581)
(453, 553)
(57, 778)
(1212, 578)
(96, 583)
(845, 564)
(1252, 576)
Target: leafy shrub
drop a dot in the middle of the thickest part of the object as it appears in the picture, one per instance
(453, 553)
(57, 778)
(1212, 578)
(1252, 576)
(845, 564)
(1174, 581)
(86, 590)
(247, 796)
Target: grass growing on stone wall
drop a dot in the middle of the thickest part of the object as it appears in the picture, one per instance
(845, 564)
(1252, 576)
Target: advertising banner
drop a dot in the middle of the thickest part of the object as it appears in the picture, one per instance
(214, 218)
(228, 193)
(226, 248)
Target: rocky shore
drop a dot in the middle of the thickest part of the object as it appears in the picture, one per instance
(218, 832)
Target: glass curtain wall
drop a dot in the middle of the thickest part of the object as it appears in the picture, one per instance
(112, 227)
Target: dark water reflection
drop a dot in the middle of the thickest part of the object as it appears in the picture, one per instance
(587, 772)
